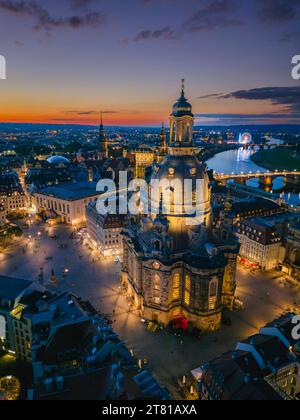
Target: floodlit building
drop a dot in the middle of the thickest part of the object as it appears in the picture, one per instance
(174, 265)
(105, 231)
(260, 244)
(2, 215)
(68, 201)
(12, 195)
(11, 291)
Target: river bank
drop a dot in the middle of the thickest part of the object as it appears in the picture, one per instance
(279, 158)
(215, 150)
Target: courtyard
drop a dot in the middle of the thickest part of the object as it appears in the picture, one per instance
(45, 249)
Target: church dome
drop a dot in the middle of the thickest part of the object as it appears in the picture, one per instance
(171, 176)
(180, 167)
(58, 160)
(182, 107)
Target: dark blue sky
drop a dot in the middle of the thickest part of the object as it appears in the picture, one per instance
(68, 59)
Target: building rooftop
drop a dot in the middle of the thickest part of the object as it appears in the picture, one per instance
(72, 191)
(87, 386)
(232, 377)
(284, 325)
(60, 310)
(58, 160)
(259, 230)
(270, 349)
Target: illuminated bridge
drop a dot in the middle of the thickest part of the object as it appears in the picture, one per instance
(265, 177)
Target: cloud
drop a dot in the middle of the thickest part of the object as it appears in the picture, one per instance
(88, 112)
(286, 97)
(247, 119)
(211, 95)
(244, 116)
(45, 21)
(279, 11)
(216, 14)
(165, 33)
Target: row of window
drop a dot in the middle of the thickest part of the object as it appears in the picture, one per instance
(176, 288)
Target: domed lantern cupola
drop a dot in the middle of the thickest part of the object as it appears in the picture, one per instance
(182, 122)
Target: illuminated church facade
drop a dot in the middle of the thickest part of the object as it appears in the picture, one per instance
(175, 264)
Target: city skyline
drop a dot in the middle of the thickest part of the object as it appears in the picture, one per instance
(67, 62)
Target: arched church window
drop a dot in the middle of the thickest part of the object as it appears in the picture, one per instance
(213, 287)
(213, 293)
(187, 290)
(156, 282)
(176, 286)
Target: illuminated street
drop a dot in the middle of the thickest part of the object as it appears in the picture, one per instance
(264, 298)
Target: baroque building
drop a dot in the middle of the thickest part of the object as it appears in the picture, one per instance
(175, 264)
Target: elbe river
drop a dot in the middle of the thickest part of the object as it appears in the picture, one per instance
(237, 161)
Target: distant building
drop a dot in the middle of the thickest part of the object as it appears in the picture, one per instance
(2, 215)
(244, 204)
(260, 244)
(13, 163)
(68, 201)
(144, 156)
(53, 171)
(12, 195)
(97, 169)
(105, 231)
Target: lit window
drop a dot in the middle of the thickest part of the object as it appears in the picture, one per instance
(176, 286)
(213, 294)
(187, 290)
(156, 282)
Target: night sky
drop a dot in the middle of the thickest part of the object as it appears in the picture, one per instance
(69, 59)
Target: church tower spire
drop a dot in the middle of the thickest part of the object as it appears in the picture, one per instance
(181, 122)
(182, 88)
(103, 145)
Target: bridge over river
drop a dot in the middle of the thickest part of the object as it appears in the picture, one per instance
(265, 177)
(237, 165)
